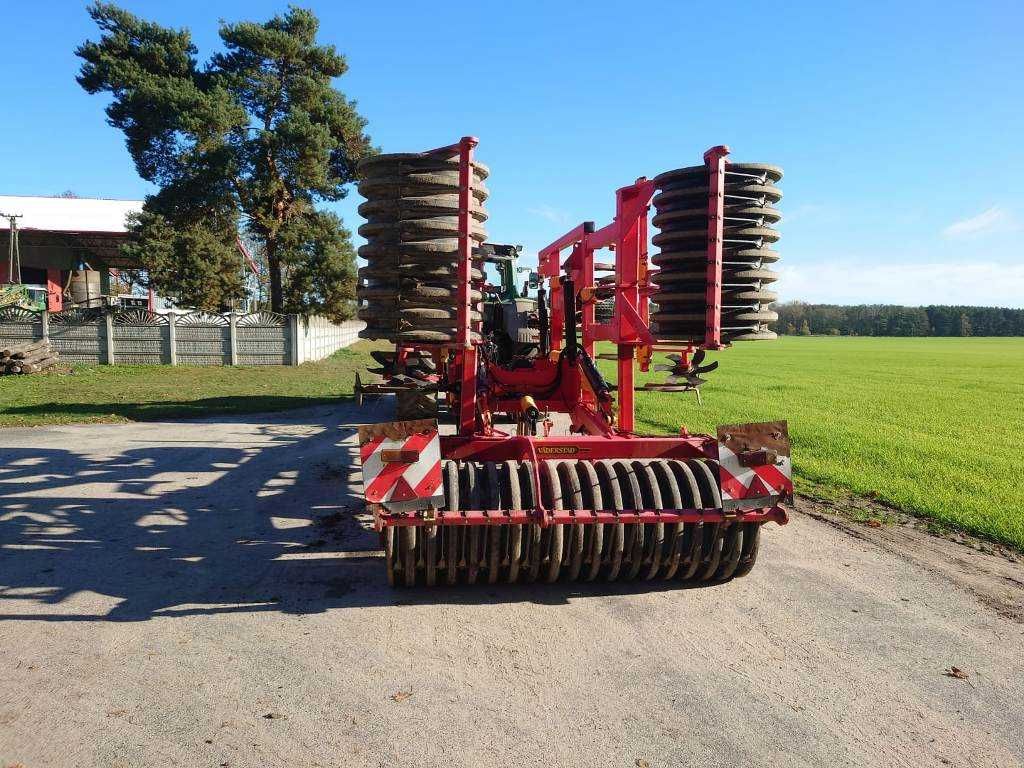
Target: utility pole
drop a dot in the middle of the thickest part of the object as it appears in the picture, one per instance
(13, 254)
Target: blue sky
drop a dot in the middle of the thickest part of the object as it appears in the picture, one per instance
(899, 124)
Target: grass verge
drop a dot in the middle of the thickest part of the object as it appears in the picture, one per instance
(113, 393)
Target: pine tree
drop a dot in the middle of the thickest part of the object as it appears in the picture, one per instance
(255, 138)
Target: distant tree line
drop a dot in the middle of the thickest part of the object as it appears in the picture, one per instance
(798, 318)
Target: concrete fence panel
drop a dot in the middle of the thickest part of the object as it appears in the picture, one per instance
(140, 337)
(203, 339)
(263, 338)
(79, 335)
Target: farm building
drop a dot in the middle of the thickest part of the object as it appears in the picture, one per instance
(69, 247)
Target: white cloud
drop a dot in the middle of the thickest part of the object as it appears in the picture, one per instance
(978, 283)
(805, 211)
(550, 213)
(994, 219)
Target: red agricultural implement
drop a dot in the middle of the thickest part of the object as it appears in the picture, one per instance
(506, 499)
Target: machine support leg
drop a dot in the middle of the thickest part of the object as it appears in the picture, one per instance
(467, 391)
(625, 388)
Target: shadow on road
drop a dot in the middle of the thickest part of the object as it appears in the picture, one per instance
(178, 409)
(219, 516)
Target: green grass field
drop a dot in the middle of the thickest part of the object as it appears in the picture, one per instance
(112, 393)
(931, 425)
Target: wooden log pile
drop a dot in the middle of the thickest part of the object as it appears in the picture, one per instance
(33, 357)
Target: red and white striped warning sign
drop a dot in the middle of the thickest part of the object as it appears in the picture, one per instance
(401, 463)
(754, 466)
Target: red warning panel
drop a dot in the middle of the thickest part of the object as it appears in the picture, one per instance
(401, 462)
(755, 469)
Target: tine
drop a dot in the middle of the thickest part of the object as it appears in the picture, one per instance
(705, 368)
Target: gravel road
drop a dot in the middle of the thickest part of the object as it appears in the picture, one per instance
(171, 595)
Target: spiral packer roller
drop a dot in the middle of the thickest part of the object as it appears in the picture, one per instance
(716, 228)
(409, 286)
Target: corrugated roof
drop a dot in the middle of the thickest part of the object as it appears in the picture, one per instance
(68, 214)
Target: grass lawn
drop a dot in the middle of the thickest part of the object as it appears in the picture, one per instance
(144, 392)
(930, 425)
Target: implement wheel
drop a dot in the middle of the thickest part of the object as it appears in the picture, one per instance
(748, 555)
(493, 537)
(572, 493)
(614, 544)
(387, 541)
(593, 544)
(407, 552)
(629, 485)
(472, 537)
(552, 535)
(428, 545)
(515, 532)
(450, 536)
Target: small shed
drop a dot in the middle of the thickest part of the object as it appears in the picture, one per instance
(62, 235)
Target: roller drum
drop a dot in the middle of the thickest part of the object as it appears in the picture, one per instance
(409, 286)
(748, 254)
(517, 553)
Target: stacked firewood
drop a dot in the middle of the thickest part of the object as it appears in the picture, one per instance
(33, 357)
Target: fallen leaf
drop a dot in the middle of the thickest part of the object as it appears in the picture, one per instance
(955, 672)
(400, 696)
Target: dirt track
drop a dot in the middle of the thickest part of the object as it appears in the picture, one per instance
(168, 598)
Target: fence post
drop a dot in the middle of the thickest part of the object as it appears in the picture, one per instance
(172, 337)
(45, 319)
(108, 318)
(233, 323)
(296, 356)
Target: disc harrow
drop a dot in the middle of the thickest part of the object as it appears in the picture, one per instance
(511, 553)
(407, 289)
(542, 476)
(748, 234)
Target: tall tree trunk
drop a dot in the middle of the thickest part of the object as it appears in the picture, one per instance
(274, 267)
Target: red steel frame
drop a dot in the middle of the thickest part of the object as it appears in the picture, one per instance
(628, 328)
(714, 159)
(597, 436)
(466, 345)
